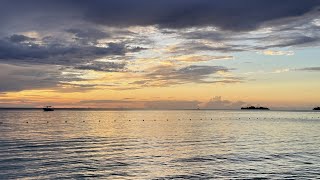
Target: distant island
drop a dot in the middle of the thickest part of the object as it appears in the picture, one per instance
(316, 109)
(254, 108)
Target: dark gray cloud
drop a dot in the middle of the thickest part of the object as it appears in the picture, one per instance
(296, 36)
(227, 14)
(231, 15)
(193, 73)
(17, 38)
(25, 77)
(17, 78)
(298, 40)
(89, 35)
(103, 66)
(169, 75)
(58, 54)
(311, 69)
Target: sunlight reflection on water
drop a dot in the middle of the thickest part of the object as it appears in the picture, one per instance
(159, 144)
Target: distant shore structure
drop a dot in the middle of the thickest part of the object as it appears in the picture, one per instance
(48, 108)
(254, 108)
(316, 109)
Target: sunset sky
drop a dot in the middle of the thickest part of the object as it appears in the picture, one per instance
(160, 54)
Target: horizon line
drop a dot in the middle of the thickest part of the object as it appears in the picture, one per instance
(139, 109)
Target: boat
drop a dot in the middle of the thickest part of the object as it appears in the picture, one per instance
(254, 108)
(48, 108)
(316, 109)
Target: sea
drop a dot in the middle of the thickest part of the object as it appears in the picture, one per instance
(157, 144)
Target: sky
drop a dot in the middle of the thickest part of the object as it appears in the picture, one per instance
(168, 54)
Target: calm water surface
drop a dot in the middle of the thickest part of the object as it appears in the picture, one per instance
(159, 144)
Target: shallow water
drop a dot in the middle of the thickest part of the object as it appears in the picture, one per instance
(159, 144)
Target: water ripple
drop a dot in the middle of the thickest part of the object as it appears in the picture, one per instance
(91, 145)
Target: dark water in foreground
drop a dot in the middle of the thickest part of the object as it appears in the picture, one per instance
(166, 145)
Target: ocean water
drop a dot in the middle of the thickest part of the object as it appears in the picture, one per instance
(159, 145)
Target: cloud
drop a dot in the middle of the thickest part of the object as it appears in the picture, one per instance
(89, 35)
(18, 38)
(230, 15)
(158, 104)
(172, 104)
(278, 53)
(291, 40)
(165, 75)
(199, 58)
(310, 69)
(218, 103)
(59, 54)
(226, 14)
(103, 66)
(109, 36)
(17, 78)
(215, 103)
(281, 70)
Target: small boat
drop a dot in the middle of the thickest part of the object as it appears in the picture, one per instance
(48, 108)
(316, 109)
(254, 108)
